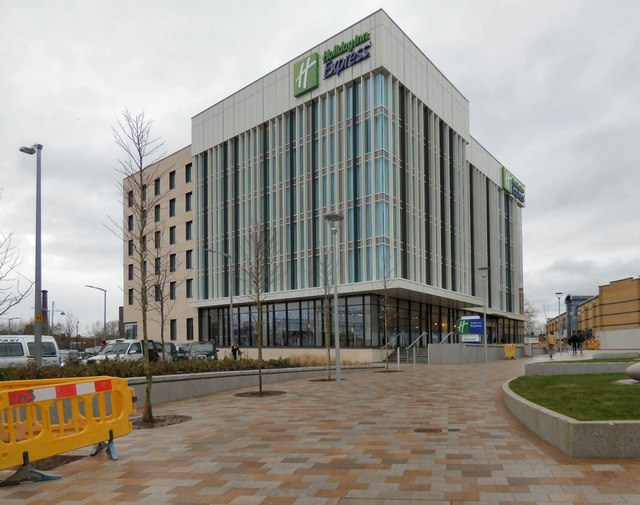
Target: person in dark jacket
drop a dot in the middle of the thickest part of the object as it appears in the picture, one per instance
(574, 343)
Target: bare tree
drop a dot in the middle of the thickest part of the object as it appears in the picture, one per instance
(162, 302)
(67, 328)
(387, 309)
(14, 287)
(140, 149)
(326, 308)
(259, 271)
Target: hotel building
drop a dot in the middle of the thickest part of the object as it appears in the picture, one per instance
(366, 127)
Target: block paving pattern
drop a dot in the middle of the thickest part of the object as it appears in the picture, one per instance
(423, 435)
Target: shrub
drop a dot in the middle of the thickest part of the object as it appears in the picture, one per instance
(125, 368)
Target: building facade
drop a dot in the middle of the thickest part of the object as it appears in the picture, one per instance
(362, 126)
(165, 192)
(612, 316)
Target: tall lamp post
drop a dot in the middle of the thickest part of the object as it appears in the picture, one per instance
(37, 327)
(53, 313)
(10, 319)
(485, 295)
(334, 221)
(104, 322)
(559, 294)
(228, 256)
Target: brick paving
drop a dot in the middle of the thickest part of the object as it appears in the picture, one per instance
(427, 435)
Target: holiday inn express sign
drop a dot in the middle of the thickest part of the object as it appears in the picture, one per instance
(306, 72)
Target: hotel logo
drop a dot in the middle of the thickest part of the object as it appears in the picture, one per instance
(306, 74)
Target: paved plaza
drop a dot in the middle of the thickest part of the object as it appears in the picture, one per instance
(427, 434)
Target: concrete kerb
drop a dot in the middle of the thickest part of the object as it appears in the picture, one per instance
(169, 388)
(577, 439)
(573, 368)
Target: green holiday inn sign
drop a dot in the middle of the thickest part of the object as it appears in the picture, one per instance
(306, 72)
(513, 186)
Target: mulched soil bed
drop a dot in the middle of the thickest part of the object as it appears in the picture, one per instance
(159, 421)
(252, 394)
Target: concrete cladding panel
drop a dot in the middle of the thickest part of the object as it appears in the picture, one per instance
(391, 51)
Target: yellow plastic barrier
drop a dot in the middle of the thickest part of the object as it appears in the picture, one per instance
(42, 418)
(509, 351)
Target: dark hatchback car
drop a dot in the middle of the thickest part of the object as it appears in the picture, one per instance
(201, 350)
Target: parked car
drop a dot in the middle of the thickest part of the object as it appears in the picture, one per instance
(18, 350)
(127, 349)
(69, 356)
(201, 350)
(180, 354)
(170, 351)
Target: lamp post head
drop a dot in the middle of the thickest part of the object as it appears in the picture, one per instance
(32, 149)
(334, 220)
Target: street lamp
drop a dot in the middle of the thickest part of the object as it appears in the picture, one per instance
(228, 256)
(559, 294)
(485, 295)
(104, 324)
(334, 221)
(37, 327)
(10, 319)
(53, 312)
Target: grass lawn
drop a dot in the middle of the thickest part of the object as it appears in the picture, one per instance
(589, 397)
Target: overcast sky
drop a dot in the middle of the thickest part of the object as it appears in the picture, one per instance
(553, 85)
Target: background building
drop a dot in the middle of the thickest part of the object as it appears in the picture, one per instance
(170, 240)
(365, 126)
(612, 316)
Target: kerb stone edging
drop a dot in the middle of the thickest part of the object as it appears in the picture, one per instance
(575, 368)
(577, 439)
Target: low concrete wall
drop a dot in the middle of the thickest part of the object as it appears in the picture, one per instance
(170, 388)
(576, 368)
(578, 439)
(441, 354)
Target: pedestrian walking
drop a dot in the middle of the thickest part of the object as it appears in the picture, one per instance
(581, 339)
(574, 344)
(551, 343)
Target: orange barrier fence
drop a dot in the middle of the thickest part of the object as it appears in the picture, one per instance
(45, 417)
(509, 351)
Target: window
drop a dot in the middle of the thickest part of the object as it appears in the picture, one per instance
(172, 235)
(130, 247)
(172, 290)
(188, 201)
(130, 198)
(144, 243)
(172, 207)
(157, 240)
(188, 176)
(144, 193)
(158, 293)
(130, 272)
(189, 328)
(172, 179)
(189, 230)
(130, 296)
(156, 212)
(172, 263)
(189, 286)
(189, 258)
(156, 266)
(173, 330)
(156, 187)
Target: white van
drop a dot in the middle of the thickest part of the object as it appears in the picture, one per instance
(17, 350)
